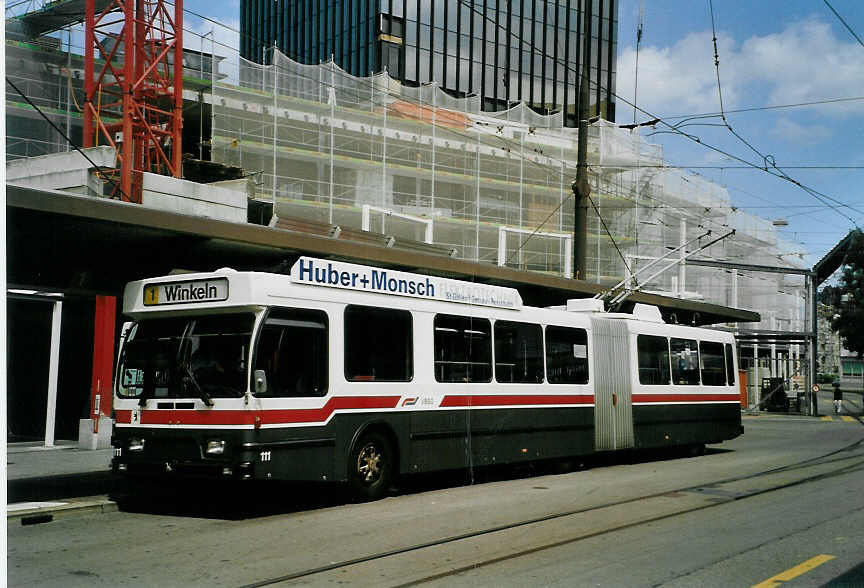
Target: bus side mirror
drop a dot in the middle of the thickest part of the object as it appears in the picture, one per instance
(260, 382)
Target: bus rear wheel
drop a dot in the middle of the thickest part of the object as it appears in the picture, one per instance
(370, 466)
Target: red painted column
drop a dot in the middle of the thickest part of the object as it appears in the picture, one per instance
(103, 358)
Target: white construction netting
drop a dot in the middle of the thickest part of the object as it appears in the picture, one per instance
(421, 165)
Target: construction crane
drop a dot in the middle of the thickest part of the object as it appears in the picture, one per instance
(133, 84)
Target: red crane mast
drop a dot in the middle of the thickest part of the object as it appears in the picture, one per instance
(133, 84)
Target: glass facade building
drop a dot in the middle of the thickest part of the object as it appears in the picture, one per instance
(504, 51)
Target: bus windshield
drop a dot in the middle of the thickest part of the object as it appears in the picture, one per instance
(186, 357)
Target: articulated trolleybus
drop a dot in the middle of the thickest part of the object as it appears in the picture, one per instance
(349, 373)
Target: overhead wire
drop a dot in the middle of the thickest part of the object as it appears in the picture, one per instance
(772, 107)
(845, 24)
(770, 169)
(768, 159)
(98, 168)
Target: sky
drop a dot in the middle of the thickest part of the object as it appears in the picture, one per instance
(771, 53)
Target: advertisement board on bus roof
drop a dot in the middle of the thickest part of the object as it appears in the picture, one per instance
(337, 274)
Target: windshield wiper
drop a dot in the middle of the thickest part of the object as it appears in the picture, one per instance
(189, 379)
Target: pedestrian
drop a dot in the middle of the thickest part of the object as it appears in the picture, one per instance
(838, 397)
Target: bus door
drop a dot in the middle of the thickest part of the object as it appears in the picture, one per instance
(462, 352)
(613, 402)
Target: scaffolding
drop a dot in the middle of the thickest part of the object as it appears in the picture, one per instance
(420, 164)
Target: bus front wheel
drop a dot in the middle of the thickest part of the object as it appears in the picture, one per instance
(370, 467)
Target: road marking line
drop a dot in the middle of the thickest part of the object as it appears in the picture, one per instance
(828, 418)
(792, 573)
(847, 419)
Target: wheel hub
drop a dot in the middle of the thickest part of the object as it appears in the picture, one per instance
(368, 464)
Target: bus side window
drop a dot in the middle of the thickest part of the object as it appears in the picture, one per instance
(713, 368)
(463, 349)
(518, 352)
(292, 351)
(378, 345)
(730, 365)
(566, 355)
(653, 359)
(685, 361)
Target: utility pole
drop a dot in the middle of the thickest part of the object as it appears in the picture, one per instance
(580, 187)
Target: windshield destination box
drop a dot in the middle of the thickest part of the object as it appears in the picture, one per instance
(212, 290)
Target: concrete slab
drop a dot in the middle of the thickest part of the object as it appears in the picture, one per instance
(185, 197)
(69, 171)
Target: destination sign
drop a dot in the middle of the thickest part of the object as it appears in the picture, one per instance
(335, 274)
(212, 290)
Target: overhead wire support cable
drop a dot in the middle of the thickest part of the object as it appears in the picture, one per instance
(97, 167)
(608, 232)
(768, 160)
(761, 108)
(845, 24)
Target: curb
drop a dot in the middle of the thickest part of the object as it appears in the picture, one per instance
(43, 512)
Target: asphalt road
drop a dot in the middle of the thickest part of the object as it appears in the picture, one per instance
(783, 498)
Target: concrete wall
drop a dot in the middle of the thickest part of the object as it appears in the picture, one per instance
(69, 170)
(185, 197)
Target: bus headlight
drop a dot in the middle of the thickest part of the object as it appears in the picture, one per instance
(215, 447)
(136, 444)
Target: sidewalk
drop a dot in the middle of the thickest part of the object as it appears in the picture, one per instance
(53, 479)
(33, 459)
(852, 406)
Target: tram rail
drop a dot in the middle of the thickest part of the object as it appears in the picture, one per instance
(701, 496)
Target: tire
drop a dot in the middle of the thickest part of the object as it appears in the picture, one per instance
(370, 467)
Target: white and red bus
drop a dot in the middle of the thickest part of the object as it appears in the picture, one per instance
(350, 373)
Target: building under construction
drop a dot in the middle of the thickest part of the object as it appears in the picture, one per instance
(335, 151)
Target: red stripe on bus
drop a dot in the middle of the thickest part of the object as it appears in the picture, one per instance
(247, 417)
(658, 398)
(516, 400)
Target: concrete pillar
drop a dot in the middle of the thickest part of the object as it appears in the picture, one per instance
(53, 371)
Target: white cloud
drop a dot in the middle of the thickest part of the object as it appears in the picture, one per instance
(799, 134)
(804, 62)
(678, 79)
